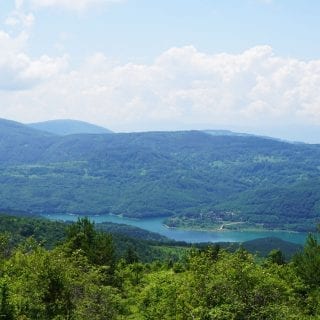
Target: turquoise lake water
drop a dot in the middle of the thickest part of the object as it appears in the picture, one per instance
(156, 225)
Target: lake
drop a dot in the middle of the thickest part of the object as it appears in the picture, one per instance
(156, 225)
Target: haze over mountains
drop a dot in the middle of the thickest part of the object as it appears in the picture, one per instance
(187, 175)
(64, 127)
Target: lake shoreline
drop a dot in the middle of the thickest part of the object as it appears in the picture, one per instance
(197, 229)
(229, 230)
(158, 225)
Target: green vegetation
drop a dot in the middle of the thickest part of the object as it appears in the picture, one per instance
(130, 231)
(81, 278)
(74, 271)
(199, 179)
(147, 246)
(44, 232)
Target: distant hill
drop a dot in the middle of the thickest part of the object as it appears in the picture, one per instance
(227, 133)
(242, 134)
(131, 231)
(189, 174)
(66, 127)
(10, 129)
(263, 246)
(20, 143)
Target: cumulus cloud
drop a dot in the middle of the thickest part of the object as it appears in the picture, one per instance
(19, 71)
(182, 86)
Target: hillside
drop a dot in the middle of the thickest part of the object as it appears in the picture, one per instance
(21, 144)
(147, 246)
(65, 127)
(192, 176)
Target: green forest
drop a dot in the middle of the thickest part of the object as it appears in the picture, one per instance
(197, 179)
(53, 270)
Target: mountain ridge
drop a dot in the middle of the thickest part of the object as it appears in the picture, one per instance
(68, 126)
(191, 175)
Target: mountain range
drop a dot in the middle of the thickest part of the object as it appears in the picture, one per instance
(203, 178)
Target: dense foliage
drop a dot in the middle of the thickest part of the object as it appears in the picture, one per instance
(146, 246)
(81, 279)
(200, 179)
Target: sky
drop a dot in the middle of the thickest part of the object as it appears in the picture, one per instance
(143, 65)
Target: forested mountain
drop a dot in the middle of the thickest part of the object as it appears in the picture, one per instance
(65, 126)
(20, 144)
(197, 178)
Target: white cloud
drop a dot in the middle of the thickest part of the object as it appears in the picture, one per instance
(18, 18)
(183, 86)
(19, 4)
(18, 70)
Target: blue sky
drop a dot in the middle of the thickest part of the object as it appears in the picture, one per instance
(133, 65)
(140, 30)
